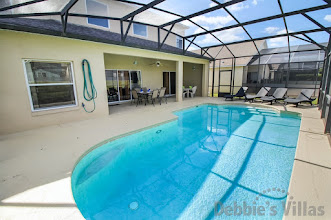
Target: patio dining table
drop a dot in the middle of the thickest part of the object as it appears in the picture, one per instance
(145, 94)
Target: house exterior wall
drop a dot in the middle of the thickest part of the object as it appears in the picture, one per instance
(16, 114)
(115, 9)
(152, 76)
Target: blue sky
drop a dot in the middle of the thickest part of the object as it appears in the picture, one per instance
(250, 10)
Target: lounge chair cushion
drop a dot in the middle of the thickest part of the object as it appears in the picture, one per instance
(268, 98)
(240, 93)
(292, 100)
(263, 92)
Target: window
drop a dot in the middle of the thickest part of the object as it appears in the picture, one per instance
(179, 42)
(97, 8)
(140, 29)
(50, 84)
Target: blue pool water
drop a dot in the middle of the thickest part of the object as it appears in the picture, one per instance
(236, 157)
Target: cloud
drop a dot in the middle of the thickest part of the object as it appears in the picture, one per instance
(279, 41)
(254, 2)
(225, 36)
(192, 48)
(237, 7)
(212, 4)
(327, 18)
(199, 30)
(271, 30)
(213, 20)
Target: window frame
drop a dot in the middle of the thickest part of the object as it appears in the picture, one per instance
(139, 34)
(28, 85)
(179, 39)
(87, 19)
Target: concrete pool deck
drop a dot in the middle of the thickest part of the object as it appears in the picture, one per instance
(36, 165)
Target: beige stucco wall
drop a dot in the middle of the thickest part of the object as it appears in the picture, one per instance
(152, 76)
(193, 76)
(15, 113)
(115, 9)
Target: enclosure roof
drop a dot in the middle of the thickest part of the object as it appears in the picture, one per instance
(295, 57)
(202, 24)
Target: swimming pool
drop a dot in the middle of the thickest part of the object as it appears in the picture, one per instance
(212, 160)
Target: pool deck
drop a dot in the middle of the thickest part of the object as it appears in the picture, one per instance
(36, 165)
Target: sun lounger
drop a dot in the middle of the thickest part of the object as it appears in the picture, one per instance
(276, 96)
(263, 92)
(241, 93)
(304, 96)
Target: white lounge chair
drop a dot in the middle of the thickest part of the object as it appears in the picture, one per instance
(276, 96)
(263, 92)
(304, 96)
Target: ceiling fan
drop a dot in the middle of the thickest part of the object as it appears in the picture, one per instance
(157, 64)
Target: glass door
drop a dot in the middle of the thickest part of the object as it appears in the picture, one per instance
(124, 85)
(120, 83)
(166, 82)
(135, 77)
(169, 81)
(172, 83)
(112, 85)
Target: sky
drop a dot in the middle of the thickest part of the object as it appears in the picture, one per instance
(246, 11)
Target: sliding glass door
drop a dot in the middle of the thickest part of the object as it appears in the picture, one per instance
(169, 81)
(120, 83)
(135, 77)
(124, 85)
(112, 85)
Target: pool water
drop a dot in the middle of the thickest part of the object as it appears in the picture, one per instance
(212, 160)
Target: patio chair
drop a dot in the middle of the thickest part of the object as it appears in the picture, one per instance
(137, 89)
(144, 89)
(135, 97)
(154, 96)
(241, 93)
(162, 95)
(192, 92)
(112, 95)
(304, 96)
(279, 94)
(263, 92)
(185, 93)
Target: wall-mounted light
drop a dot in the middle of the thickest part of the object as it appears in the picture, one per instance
(135, 62)
(194, 68)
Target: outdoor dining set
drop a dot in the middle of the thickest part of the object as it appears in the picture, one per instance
(140, 95)
(189, 92)
(144, 95)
